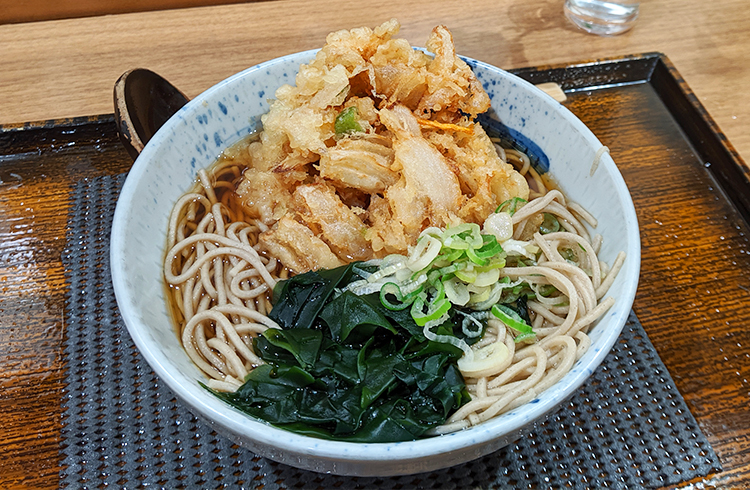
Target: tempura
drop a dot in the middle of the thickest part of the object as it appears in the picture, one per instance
(375, 142)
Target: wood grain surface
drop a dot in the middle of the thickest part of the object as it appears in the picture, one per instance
(694, 314)
(694, 293)
(14, 11)
(67, 68)
(35, 181)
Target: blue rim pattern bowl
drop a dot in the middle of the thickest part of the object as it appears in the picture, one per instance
(195, 136)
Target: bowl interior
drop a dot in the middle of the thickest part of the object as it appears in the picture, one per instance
(229, 111)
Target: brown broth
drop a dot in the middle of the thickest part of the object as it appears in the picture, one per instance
(225, 174)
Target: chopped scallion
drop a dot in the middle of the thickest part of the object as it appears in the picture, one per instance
(346, 122)
(514, 321)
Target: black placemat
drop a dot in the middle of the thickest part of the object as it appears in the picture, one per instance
(628, 427)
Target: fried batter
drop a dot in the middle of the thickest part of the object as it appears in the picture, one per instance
(411, 155)
(338, 225)
(297, 247)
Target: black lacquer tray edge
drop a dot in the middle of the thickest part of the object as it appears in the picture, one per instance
(702, 132)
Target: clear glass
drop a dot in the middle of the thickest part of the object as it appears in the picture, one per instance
(605, 18)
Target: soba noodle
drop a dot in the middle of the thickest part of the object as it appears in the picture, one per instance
(560, 328)
(220, 285)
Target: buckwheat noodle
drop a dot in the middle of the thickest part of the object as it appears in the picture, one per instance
(220, 285)
(561, 322)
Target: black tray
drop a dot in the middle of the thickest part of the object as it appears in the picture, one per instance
(632, 104)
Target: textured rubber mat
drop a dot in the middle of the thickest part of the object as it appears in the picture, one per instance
(628, 427)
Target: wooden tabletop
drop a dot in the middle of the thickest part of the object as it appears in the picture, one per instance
(693, 300)
(67, 68)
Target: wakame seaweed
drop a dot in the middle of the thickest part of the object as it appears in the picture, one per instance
(345, 367)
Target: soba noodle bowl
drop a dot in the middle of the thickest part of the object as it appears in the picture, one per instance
(358, 163)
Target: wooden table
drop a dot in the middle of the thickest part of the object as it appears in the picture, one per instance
(694, 295)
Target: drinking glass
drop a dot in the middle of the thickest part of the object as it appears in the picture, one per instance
(602, 17)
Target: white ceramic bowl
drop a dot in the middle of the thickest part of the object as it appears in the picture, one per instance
(227, 112)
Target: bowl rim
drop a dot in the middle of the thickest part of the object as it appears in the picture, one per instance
(219, 413)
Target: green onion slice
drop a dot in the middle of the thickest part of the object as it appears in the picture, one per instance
(402, 300)
(510, 206)
(346, 121)
(472, 254)
(463, 236)
(435, 310)
(456, 291)
(514, 321)
(550, 224)
(489, 248)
